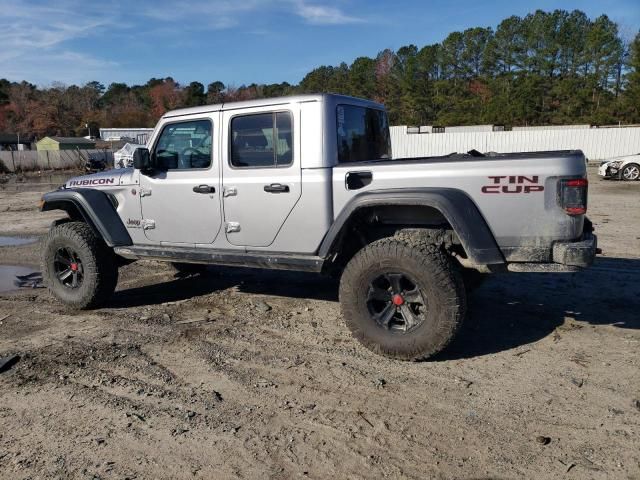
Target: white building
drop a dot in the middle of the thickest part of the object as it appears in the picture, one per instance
(135, 135)
(597, 143)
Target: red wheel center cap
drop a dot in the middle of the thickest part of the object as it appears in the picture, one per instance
(397, 300)
(74, 267)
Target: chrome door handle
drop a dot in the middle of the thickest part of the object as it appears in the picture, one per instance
(204, 189)
(276, 188)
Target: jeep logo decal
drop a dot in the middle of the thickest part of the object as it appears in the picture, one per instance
(91, 182)
(513, 184)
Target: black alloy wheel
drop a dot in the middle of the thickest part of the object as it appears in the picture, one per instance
(396, 303)
(68, 267)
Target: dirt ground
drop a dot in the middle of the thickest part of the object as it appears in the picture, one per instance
(252, 374)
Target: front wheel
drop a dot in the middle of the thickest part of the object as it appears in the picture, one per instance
(631, 172)
(79, 269)
(402, 301)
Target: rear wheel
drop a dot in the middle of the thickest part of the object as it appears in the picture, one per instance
(402, 301)
(631, 172)
(79, 269)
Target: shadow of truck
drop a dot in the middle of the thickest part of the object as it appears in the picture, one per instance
(508, 311)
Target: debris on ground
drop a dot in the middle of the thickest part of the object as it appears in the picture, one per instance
(32, 280)
(580, 359)
(361, 415)
(261, 306)
(521, 352)
(542, 440)
(135, 415)
(265, 384)
(463, 381)
(7, 362)
(379, 382)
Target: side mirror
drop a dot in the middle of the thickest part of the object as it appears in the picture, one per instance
(141, 159)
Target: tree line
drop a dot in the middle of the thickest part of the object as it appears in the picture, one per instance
(545, 68)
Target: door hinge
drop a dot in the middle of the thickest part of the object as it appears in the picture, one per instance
(229, 191)
(148, 224)
(232, 227)
(145, 193)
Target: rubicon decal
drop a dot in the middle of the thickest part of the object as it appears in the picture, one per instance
(92, 181)
(513, 184)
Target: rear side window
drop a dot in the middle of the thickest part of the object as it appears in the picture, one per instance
(262, 140)
(363, 134)
(185, 145)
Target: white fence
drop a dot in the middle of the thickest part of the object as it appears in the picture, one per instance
(596, 143)
(554, 127)
(30, 160)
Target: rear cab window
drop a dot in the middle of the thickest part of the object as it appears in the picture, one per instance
(363, 134)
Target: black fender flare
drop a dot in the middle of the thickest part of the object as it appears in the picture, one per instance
(455, 205)
(96, 209)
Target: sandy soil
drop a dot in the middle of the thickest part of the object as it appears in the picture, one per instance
(252, 374)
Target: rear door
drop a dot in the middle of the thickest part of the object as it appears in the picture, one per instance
(181, 203)
(261, 173)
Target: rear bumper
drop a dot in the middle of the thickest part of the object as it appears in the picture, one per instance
(565, 256)
(576, 254)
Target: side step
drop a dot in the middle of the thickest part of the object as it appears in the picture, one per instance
(270, 260)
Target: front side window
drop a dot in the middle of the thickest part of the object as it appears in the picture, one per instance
(262, 140)
(363, 134)
(185, 145)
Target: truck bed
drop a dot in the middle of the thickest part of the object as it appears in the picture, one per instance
(515, 192)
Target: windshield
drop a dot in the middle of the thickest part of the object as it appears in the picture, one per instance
(363, 134)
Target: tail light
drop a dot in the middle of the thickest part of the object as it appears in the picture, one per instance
(573, 195)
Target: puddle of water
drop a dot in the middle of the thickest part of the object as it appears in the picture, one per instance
(8, 276)
(16, 241)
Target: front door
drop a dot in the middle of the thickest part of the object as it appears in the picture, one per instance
(181, 200)
(261, 175)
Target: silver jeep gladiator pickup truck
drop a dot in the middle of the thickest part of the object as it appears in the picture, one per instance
(309, 183)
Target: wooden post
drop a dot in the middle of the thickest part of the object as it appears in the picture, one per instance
(13, 161)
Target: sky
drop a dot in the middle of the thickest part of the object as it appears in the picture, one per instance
(238, 41)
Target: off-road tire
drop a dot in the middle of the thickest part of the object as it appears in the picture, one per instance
(189, 268)
(434, 275)
(434, 239)
(431, 239)
(98, 263)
